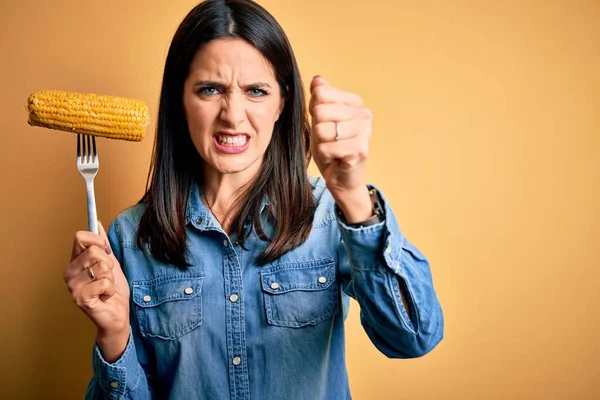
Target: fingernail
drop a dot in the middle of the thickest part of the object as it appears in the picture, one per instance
(107, 249)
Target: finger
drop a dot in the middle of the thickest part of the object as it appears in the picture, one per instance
(92, 255)
(317, 81)
(116, 264)
(329, 131)
(88, 296)
(339, 112)
(102, 232)
(85, 239)
(100, 270)
(348, 151)
(330, 94)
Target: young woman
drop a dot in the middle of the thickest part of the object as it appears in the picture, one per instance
(231, 278)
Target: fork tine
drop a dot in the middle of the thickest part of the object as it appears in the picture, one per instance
(94, 147)
(78, 147)
(89, 150)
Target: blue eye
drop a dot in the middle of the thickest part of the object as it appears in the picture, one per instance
(207, 91)
(254, 92)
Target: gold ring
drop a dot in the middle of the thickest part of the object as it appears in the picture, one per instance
(91, 273)
(338, 135)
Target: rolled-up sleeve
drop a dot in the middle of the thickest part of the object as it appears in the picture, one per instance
(381, 264)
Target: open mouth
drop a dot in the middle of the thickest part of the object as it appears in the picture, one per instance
(232, 141)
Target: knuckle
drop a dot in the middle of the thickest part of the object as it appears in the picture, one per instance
(106, 284)
(79, 235)
(319, 92)
(103, 267)
(96, 253)
(78, 300)
(71, 286)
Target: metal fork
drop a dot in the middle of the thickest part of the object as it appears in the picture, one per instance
(87, 164)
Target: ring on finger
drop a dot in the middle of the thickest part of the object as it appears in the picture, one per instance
(338, 135)
(91, 274)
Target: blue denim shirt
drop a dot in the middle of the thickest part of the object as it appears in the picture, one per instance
(226, 328)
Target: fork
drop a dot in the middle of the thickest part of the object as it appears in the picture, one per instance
(87, 164)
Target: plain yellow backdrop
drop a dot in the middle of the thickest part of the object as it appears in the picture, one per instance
(486, 142)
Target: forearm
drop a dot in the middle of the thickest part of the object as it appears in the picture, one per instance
(122, 379)
(391, 280)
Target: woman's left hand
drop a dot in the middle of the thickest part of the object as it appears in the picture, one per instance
(341, 130)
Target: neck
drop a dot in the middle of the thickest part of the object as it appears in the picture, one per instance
(222, 191)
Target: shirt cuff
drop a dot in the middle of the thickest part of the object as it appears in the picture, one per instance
(120, 376)
(371, 247)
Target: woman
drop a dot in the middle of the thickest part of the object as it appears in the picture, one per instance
(231, 278)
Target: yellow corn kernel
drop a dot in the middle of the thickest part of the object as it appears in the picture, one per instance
(91, 114)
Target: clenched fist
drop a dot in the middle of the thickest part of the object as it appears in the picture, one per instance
(341, 130)
(100, 289)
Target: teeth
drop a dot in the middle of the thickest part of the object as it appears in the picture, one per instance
(239, 140)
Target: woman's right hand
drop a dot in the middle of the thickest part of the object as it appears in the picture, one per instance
(105, 298)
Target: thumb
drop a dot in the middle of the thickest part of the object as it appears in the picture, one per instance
(317, 80)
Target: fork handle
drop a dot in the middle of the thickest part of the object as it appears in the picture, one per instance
(91, 203)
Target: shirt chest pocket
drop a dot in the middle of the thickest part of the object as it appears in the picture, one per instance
(168, 307)
(300, 294)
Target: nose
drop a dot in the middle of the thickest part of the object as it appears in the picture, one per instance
(233, 111)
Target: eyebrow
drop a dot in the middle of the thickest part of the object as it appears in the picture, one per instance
(221, 85)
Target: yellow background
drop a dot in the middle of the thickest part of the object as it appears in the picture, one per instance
(485, 141)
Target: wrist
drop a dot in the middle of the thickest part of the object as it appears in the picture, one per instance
(112, 345)
(356, 206)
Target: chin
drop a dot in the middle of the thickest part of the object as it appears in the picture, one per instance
(231, 167)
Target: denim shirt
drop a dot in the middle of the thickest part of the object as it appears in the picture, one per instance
(227, 328)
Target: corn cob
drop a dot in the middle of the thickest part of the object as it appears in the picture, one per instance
(91, 114)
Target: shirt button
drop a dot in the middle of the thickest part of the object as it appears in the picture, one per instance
(274, 285)
(322, 279)
(236, 243)
(147, 298)
(114, 385)
(236, 361)
(189, 290)
(225, 243)
(234, 297)
(199, 221)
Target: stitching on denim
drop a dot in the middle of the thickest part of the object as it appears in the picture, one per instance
(325, 222)
(178, 333)
(411, 299)
(327, 269)
(314, 321)
(293, 265)
(143, 311)
(293, 324)
(130, 245)
(155, 285)
(139, 379)
(167, 278)
(394, 287)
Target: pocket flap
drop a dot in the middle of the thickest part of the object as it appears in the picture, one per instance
(312, 276)
(160, 290)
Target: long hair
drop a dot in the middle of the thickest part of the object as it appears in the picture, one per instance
(176, 163)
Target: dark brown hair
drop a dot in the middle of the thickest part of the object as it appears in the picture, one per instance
(176, 163)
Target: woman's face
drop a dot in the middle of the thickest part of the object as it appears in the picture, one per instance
(231, 101)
